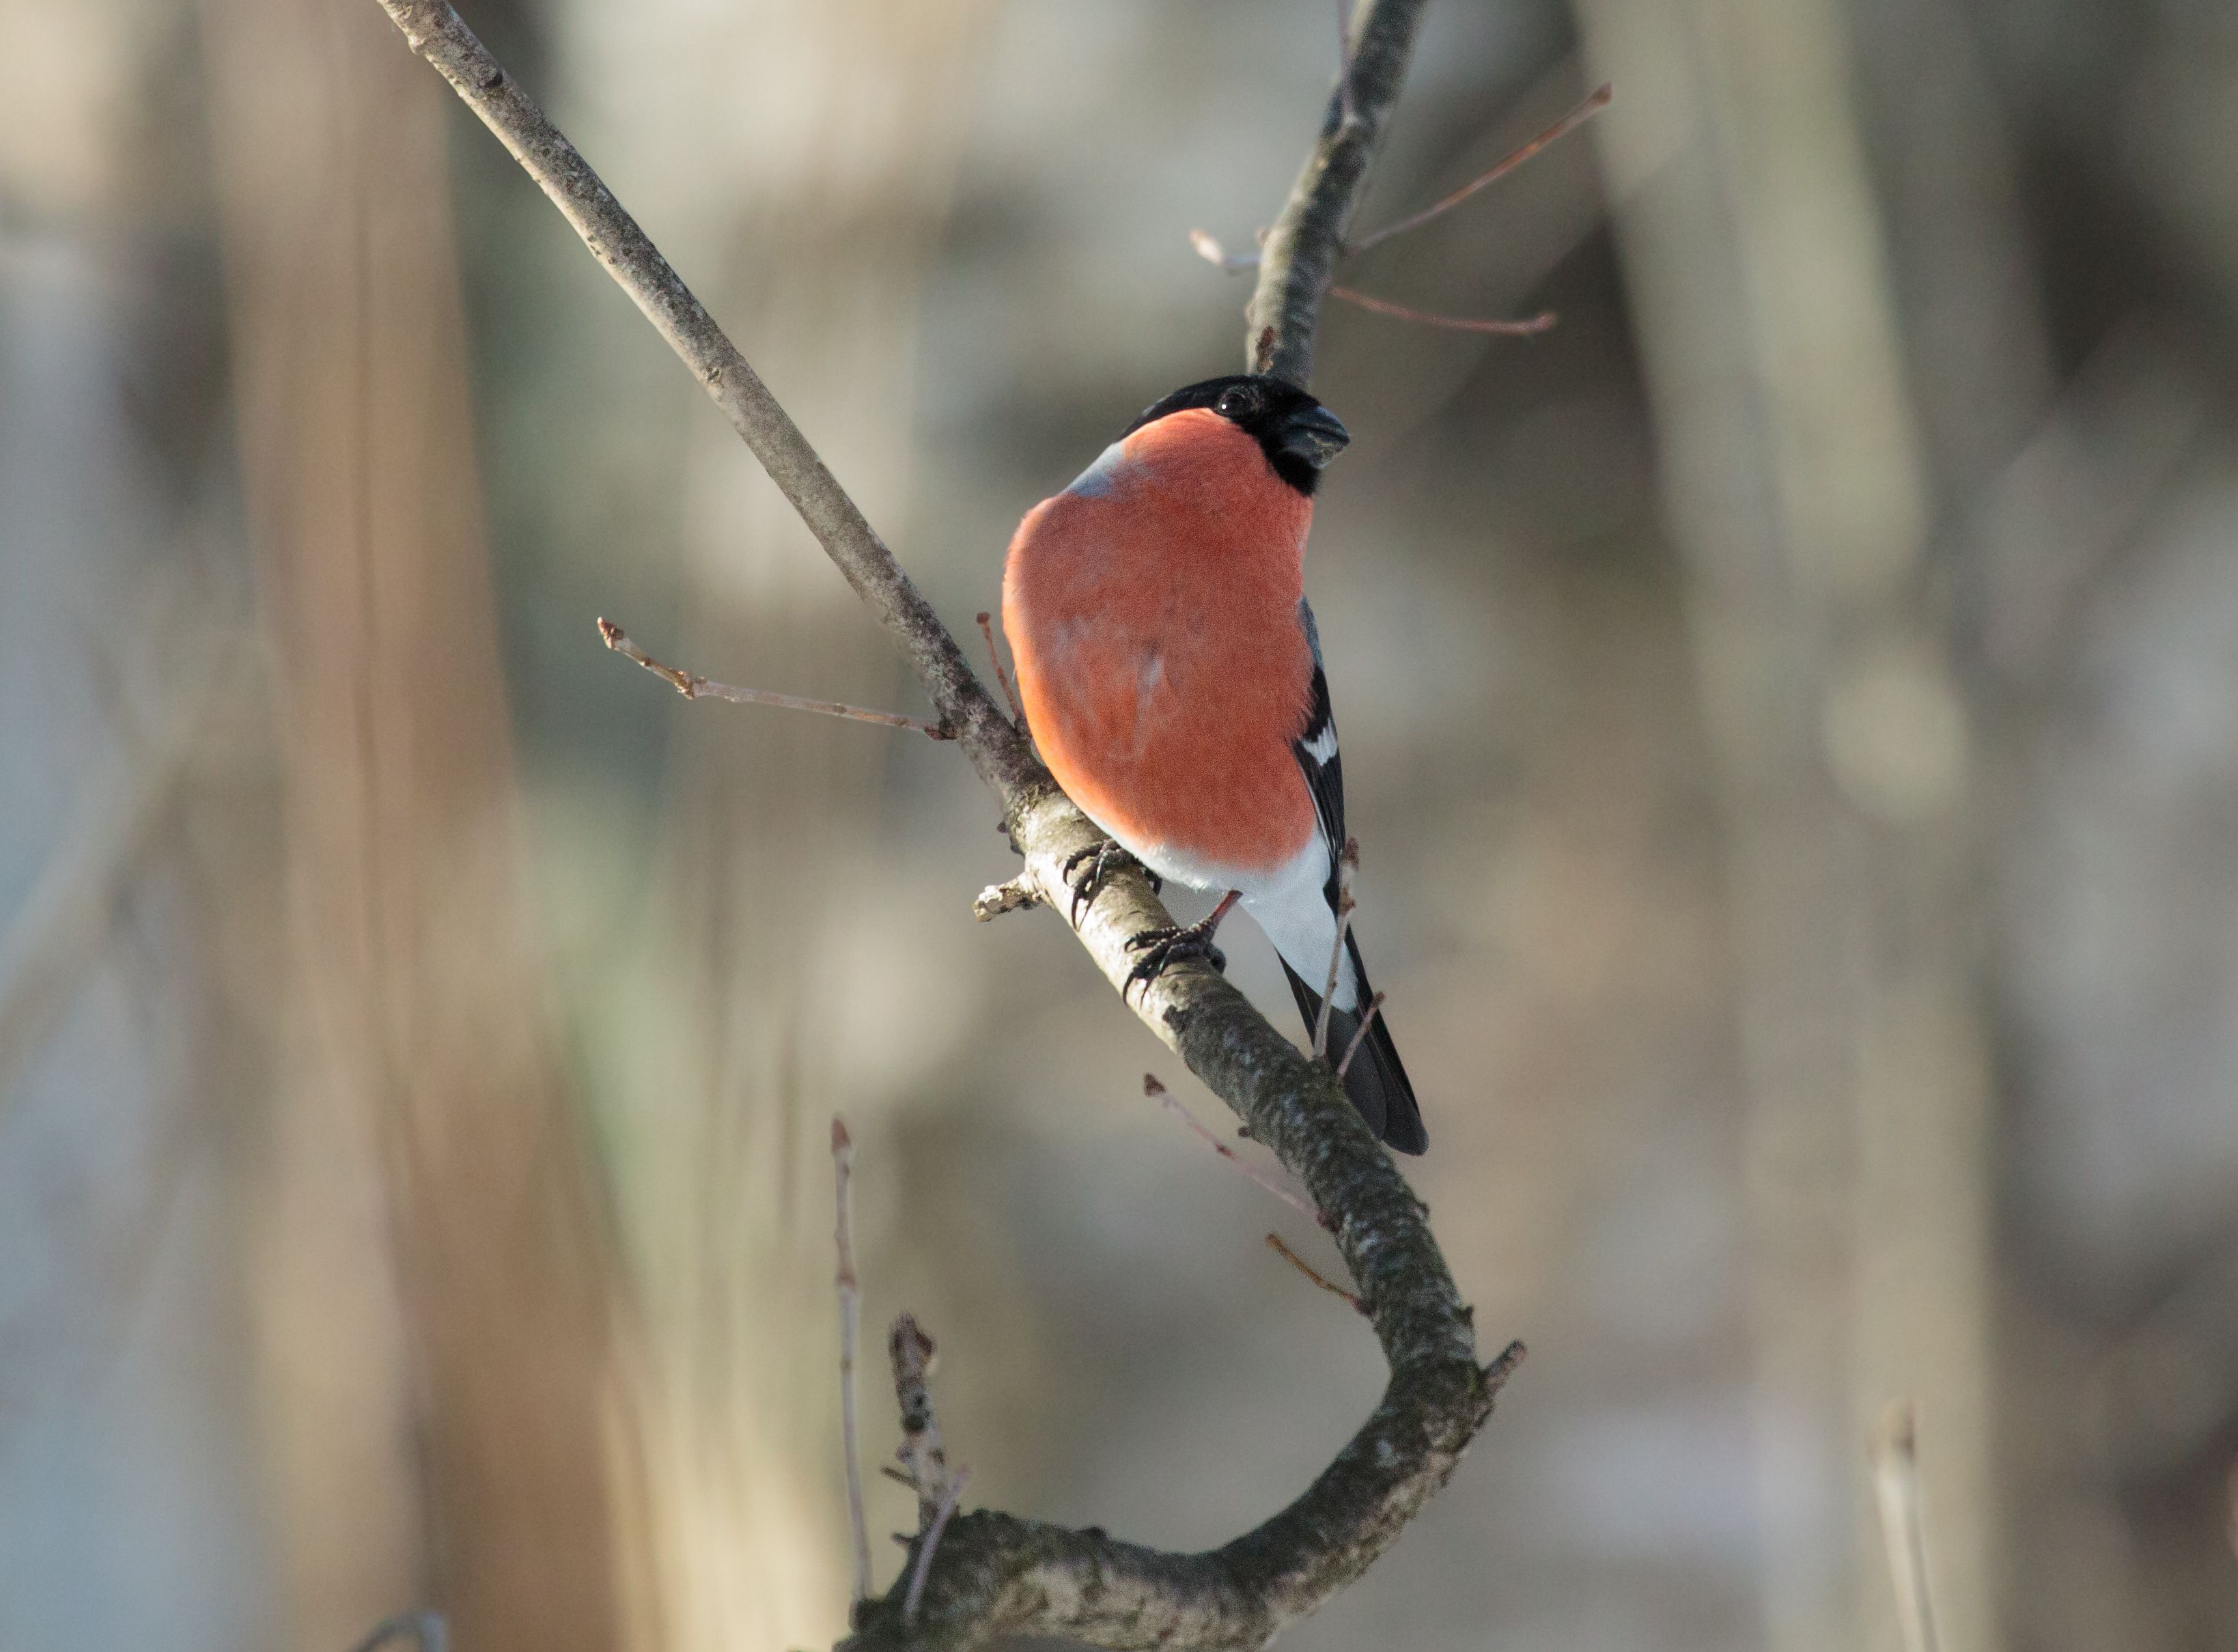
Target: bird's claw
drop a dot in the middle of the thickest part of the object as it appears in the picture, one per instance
(1099, 860)
(1162, 948)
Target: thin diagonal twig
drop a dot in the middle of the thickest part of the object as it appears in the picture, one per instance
(1360, 1035)
(940, 1520)
(693, 686)
(1577, 117)
(1209, 249)
(1348, 862)
(995, 659)
(1275, 1244)
(1524, 328)
(1158, 1092)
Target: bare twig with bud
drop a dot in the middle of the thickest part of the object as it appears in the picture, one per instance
(1275, 1244)
(995, 659)
(1594, 103)
(1298, 1202)
(693, 686)
(1209, 248)
(1526, 327)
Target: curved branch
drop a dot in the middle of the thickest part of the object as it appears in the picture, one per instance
(995, 1573)
(1299, 260)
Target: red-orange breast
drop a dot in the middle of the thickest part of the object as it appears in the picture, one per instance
(1172, 678)
(1153, 609)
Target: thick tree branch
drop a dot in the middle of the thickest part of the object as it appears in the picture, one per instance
(1299, 260)
(994, 1573)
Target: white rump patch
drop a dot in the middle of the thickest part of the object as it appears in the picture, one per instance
(1293, 910)
(1287, 904)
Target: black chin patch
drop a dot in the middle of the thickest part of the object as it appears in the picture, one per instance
(1299, 472)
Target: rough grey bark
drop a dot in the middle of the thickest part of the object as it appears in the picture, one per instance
(995, 1573)
(1302, 249)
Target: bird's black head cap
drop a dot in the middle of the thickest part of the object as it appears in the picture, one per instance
(1296, 433)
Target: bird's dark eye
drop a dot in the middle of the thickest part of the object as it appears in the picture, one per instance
(1234, 403)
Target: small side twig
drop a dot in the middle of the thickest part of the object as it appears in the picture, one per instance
(1526, 327)
(1274, 1243)
(1895, 1453)
(922, 1459)
(1577, 117)
(940, 1520)
(1360, 1035)
(1158, 1092)
(995, 659)
(850, 1325)
(1209, 249)
(693, 686)
(1348, 862)
(997, 898)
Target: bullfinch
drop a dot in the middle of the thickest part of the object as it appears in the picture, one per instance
(1172, 678)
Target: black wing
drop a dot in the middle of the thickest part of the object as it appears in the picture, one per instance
(1317, 755)
(1376, 1081)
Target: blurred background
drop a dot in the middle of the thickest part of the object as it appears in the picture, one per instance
(1791, 713)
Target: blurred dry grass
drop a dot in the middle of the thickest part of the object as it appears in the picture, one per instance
(1792, 712)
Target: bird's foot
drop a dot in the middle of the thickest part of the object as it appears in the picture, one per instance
(1086, 870)
(1162, 948)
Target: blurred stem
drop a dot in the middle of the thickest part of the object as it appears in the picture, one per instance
(54, 940)
(440, 1300)
(1792, 467)
(1895, 1488)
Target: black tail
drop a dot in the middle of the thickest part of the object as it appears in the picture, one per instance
(1375, 1080)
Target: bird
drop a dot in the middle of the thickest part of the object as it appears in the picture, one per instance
(1171, 677)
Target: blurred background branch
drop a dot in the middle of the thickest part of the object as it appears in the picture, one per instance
(424, 1038)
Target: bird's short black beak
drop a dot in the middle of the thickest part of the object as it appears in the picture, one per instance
(1314, 435)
